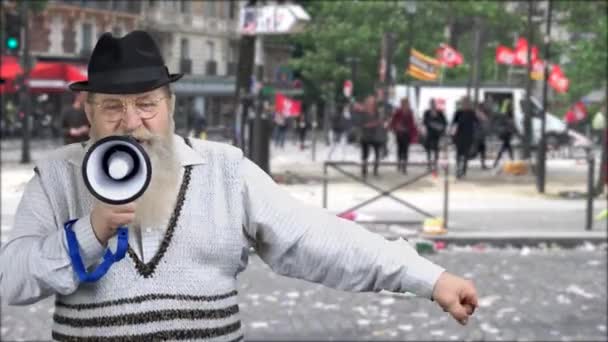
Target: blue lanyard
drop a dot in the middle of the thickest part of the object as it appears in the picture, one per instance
(108, 258)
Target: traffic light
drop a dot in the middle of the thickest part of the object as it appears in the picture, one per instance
(12, 33)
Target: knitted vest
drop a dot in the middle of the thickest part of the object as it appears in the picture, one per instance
(187, 291)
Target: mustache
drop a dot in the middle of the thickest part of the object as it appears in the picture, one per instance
(143, 135)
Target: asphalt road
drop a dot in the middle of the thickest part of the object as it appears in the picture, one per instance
(525, 295)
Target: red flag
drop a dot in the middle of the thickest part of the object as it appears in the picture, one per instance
(287, 106)
(557, 80)
(504, 55)
(448, 56)
(577, 112)
(521, 52)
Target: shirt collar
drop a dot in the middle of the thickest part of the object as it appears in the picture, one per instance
(186, 155)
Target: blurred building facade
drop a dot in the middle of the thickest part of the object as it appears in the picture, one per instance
(197, 38)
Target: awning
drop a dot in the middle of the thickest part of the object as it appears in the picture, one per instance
(55, 76)
(9, 70)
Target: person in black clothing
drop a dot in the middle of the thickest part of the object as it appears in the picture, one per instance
(302, 127)
(481, 131)
(372, 132)
(505, 129)
(434, 123)
(75, 123)
(464, 125)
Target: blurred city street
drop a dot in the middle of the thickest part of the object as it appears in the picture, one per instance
(475, 130)
(526, 294)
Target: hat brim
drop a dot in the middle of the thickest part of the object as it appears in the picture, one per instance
(124, 88)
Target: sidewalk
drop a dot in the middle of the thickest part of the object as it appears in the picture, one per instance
(484, 207)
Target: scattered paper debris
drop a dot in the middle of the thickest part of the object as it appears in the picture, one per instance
(488, 300)
(577, 290)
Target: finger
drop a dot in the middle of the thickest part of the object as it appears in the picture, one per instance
(124, 208)
(469, 309)
(121, 219)
(468, 293)
(458, 312)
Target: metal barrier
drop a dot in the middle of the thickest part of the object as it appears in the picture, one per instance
(337, 165)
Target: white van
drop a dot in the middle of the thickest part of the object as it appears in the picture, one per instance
(421, 95)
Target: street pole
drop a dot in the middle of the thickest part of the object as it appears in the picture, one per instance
(388, 60)
(25, 102)
(542, 144)
(527, 113)
(604, 156)
(314, 118)
(476, 68)
(353, 71)
(260, 136)
(243, 79)
(411, 10)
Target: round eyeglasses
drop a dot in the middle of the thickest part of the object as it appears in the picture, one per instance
(113, 110)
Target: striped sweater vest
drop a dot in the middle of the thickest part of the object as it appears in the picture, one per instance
(187, 291)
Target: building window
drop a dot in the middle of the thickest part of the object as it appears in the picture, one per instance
(87, 37)
(232, 9)
(210, 9)
(210, 51)
(184, 6)
(185, 49)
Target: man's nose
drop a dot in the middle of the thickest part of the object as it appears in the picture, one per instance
(131, 120)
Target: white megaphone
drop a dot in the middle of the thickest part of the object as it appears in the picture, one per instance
(116, 170)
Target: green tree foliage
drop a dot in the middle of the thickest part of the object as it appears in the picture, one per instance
(342, 29)
(586, 50)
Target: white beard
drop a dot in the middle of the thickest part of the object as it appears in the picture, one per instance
(155, 206)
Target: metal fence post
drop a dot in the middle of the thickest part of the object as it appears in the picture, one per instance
(446, 187)
(325, 185)
(590, 188)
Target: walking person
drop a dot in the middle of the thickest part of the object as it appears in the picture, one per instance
(280, 129)
(339, 127)
(463, 130)
(75, 124)
(403, 125)
(372, 134)
(481, 131)
(434, 123)
(506, 128)
(302, 127)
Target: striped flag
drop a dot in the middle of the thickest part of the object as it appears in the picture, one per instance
(423, 67)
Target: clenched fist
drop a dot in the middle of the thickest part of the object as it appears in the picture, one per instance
(106, 219)
(456, 296)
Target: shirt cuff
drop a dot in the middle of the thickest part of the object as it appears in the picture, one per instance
(91, 250)
(426, 273)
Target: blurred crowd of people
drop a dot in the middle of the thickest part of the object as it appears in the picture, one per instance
(362, 124)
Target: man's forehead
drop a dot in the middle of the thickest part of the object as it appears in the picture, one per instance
(101, 96)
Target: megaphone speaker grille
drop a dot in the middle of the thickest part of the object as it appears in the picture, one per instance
(116, 170)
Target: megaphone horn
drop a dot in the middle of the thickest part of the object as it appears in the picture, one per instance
(116, 170)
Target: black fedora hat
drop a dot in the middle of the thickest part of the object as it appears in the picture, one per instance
(128, 65)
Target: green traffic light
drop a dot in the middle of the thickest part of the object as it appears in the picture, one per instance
(12, 43)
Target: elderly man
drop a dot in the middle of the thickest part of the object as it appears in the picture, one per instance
(191, 231)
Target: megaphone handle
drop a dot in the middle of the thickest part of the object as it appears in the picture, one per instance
(108, 258)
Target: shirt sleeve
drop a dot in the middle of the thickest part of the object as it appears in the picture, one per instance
(309, 243)
(34, 263)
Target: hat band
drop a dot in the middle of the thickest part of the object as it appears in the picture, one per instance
(129, 75)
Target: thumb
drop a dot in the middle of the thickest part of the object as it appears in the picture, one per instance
(458, 312)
